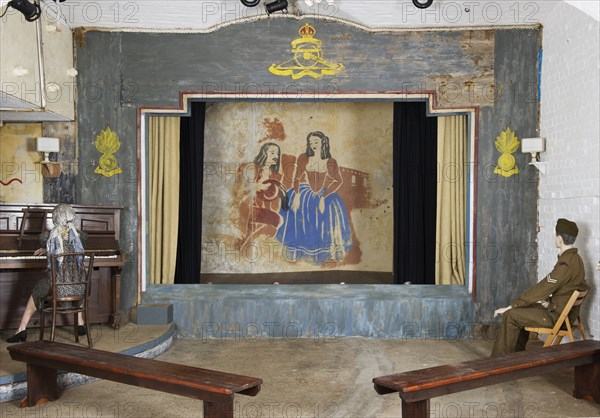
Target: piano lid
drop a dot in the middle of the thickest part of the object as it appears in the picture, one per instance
(22, 224)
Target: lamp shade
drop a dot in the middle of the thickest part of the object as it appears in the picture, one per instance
(47, 144)
(533, 145)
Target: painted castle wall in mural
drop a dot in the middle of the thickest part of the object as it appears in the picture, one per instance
(298, 187)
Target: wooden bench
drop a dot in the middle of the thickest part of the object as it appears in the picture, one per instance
(44, 358)
(418, 386)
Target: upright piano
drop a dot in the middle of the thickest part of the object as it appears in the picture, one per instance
(20, 229)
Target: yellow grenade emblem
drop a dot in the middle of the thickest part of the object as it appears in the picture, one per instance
(107, 142)
(507, 143)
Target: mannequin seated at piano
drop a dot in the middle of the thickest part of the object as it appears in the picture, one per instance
(22, 229)
(63, 237)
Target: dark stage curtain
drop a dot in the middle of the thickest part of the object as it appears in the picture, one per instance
(415, 176)
(189, 240)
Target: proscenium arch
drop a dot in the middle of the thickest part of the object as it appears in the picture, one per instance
(429, 97)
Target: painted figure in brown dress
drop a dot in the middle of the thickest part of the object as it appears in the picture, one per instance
(266, 197)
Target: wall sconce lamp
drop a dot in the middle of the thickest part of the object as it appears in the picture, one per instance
(422, 4)
(31, 11)
(535, 146)
(47, 145)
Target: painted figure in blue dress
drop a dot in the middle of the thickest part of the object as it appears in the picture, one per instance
(317, 228)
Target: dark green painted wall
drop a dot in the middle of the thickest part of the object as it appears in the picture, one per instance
(507, 207)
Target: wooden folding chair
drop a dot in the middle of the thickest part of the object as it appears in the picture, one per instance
(76, 293)
(563, 327)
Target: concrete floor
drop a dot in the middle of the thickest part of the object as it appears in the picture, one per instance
(321, 378)
(104, 337)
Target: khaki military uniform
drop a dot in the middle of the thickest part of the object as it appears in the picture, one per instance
(527, 310)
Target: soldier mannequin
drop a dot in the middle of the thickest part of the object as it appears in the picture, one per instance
(541, 305)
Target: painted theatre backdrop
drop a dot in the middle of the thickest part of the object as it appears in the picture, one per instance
(297, 186)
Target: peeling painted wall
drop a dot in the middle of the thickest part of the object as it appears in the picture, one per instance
(495, 70)
(21, 178)
(21, 175)
(62, 188)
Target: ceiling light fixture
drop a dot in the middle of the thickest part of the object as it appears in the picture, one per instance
(422, 5)
(31, 11)
(276, 6)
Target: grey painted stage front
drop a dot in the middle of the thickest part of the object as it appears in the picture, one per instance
(317, 311)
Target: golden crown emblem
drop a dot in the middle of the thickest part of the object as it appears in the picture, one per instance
(307, 59)
(307, 31)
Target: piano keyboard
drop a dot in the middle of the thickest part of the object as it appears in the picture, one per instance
(14, 261)
(43, 257)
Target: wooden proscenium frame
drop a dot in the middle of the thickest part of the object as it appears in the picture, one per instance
(215, 96)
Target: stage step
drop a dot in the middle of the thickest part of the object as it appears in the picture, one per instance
(154, 314)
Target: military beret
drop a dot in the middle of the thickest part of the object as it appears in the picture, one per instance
(564, 226)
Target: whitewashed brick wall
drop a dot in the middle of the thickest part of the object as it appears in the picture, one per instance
(570, 123)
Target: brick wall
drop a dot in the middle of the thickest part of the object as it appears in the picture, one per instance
(569, 122)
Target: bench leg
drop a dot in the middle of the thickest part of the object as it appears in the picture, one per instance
(587, 382)
(219, 409)
(419, 409)
(41, 385)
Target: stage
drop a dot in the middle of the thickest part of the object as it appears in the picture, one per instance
(309, 311)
